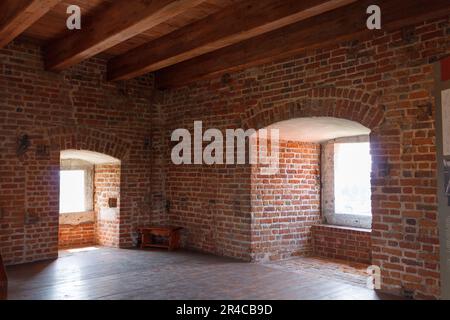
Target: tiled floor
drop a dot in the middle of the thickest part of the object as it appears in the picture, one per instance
(108, 273)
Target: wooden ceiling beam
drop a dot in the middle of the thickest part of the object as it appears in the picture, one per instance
(229, 26)
(343, 24)
(120, 21)
(18, 15)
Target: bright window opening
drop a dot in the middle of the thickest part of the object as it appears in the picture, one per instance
(352, 189)
(72, 191)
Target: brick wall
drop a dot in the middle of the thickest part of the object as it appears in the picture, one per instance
(343, 243)
(74, 236)
(107, 186)
(287, 204)
(212, 203)
(385, 83)
(75, 109)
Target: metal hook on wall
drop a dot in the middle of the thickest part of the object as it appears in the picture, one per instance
(23, 144)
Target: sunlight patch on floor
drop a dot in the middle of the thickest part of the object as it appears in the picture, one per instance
(82, 249)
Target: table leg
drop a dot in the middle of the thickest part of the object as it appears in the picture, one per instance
(174, 241)
(144, 240)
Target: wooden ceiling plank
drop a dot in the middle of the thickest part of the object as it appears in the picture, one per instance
(18, 15)
(120, 21)
(343, 24)
(226, 27)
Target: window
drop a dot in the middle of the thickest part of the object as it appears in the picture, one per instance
(72, 191)
(346, 186)
(352, 189)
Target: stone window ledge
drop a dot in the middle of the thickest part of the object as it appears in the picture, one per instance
(76, 218)
(343, 228)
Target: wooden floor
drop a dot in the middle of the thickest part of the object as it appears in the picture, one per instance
(107, 273)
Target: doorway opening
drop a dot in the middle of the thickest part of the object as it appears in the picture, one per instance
(89, 199)
(319, 202)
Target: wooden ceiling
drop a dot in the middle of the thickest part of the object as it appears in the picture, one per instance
(186, 40)
(53, 25)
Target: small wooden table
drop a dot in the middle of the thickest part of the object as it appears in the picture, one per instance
(170, 233)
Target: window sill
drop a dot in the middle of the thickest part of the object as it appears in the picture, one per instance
(76, 218)
(343, 228)
(349, 220)
(76, 212)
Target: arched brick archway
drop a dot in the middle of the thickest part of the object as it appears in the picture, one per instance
(85, 139)
(350, 104)
(64, 138)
